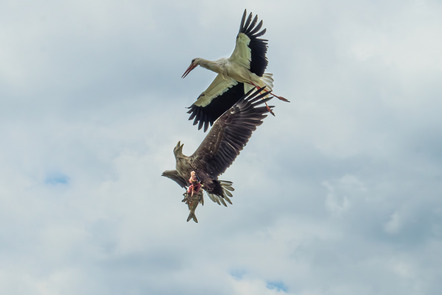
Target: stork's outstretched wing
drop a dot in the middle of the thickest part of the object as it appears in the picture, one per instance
(250, 50)
(215, 100)
(231, 132)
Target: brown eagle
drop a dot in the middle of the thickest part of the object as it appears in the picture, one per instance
(228, 136)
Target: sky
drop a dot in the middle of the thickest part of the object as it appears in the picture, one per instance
(339, 193)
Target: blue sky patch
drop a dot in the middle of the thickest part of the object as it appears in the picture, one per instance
(57, 178)
(277, 285)
(238, 273)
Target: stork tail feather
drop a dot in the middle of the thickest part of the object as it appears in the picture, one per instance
(267, 78)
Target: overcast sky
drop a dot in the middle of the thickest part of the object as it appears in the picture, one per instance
(339, 194)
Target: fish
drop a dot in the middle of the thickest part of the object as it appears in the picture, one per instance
(192, 201)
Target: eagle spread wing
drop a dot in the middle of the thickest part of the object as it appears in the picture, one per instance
(231, 132)
(175, 176)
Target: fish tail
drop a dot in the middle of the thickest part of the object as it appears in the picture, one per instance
(192, 216)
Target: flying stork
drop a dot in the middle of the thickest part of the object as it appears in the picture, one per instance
(228, 136)
(239, 73)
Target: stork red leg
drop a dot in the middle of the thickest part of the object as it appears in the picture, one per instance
(269, 109)
(278, 97)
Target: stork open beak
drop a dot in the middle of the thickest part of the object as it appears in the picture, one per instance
(189, 69)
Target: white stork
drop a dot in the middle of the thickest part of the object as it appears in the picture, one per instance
(239, 73)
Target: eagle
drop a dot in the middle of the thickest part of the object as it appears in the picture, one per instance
(219, 149)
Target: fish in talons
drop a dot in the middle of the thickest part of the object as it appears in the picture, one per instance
(193, 196)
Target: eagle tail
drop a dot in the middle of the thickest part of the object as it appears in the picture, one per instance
(222, 193)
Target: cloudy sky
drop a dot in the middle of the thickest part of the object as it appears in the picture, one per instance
(340, 193)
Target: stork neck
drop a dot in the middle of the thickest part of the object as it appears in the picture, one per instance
(214, 66)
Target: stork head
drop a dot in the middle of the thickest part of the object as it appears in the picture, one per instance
(178, 150)
(193, 64)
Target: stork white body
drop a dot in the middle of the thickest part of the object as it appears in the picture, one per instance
(230, 71)
(245, 66)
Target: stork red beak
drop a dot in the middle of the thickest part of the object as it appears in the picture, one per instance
(189, 69)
